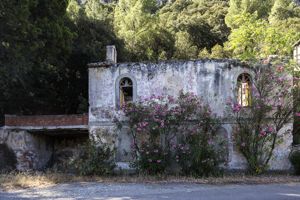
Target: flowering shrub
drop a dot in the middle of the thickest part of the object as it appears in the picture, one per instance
(258, 126)
(159, 121)
(198, 157)
(296, 129)
(153, 159)
(94, 159)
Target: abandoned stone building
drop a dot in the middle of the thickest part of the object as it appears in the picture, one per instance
(38, 139)
(112, 84)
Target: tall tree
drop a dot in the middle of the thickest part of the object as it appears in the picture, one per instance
(283, 10)
(35, 44)
(237, 7)
(136, 23)
(196, 24)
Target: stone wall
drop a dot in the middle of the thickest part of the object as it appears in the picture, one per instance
(213, 80)
(41, 150)
(66, 148)
(32, 151)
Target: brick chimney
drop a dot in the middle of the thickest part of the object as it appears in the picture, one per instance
(111, 53)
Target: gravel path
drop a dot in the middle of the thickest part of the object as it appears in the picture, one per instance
(131, 191)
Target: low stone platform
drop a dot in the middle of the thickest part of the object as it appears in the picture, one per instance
(42, 141)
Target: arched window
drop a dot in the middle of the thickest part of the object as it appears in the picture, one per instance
(244, 90)
(125, 91)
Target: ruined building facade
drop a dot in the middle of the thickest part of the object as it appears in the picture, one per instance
(38, 141)
(112, 83)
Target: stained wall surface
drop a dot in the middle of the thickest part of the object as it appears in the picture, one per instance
(213, 80)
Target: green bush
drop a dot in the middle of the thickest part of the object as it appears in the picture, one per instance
(152, 160)
(158, 123)
(295, 160)
(260, 125)
(95, 159)
(198, 155)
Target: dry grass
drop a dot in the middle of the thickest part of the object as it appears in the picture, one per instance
(34, 180)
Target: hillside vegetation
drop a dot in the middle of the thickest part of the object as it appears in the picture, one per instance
(46, 44)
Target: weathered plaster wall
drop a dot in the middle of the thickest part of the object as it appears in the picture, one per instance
(65, 149)
(37, 151)
(214, 80)
(32, 151)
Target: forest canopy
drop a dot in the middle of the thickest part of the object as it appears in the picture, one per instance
(45, 45)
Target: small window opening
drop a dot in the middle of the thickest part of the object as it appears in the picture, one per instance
(126, 91)
(244, 90)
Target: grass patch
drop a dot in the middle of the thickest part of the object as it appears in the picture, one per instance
(23, 180)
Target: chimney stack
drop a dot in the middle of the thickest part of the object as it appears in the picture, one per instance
(111, 54)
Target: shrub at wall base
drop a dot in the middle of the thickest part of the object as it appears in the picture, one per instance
(260, 126)
(166, 130)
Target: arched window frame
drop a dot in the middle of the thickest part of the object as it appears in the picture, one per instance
(244, 90)
(118, 89)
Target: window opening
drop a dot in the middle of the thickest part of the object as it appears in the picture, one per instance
(126, 91)
(244, 90)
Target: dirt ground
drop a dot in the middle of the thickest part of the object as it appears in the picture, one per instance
(14, 181)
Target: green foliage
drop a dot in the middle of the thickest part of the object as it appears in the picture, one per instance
(195, 25)
(204, 53)
(94, 159)
(260, 126)
(153, 159)
(295, 160)
(159, 122)
(242, 7)
(35, 45)
(283, 10)
(197, 155)
(257, 39)
(45, 45)
(260, 29)
(185, 49)
(136, 22)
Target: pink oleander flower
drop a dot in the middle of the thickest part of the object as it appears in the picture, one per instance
(236, 107)
(162, 124)
(158, 161)
(171, 99)
(262, 133)
(280, 68)
(270, 129)
(297, 114)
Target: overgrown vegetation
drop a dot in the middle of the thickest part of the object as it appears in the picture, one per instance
(260, 127)
(94, 159)
(45, 45)
(169, 133)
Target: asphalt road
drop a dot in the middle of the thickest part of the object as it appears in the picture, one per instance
(102, 191)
